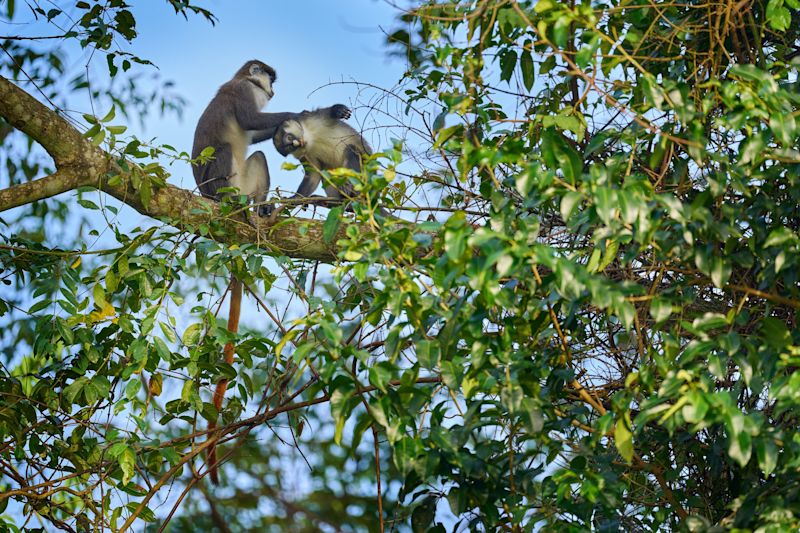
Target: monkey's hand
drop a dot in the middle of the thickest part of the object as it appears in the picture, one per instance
(341, 111)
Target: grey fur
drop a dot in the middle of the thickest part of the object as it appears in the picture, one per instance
(232, 121)
(322, 141)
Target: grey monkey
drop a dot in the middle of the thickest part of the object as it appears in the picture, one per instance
(232, 121)
(322, 141)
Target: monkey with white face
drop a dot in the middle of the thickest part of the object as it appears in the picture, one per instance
(322, 141)
(232, 121)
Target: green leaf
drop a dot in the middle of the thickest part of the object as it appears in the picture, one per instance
(660, 309)
(767, 454)
(127, 461)
(380, 375)
(72, 390)
(508, 60)
(38, 306)
(428, 354)
(187, 391)
(111, 281)
(526, 65)
(626, 312)
(623, 438)
(709, 321)
(110, 115)
(784, 128)
(331, 225)
(558, 154)
(779, 237)
(455, 243)
(568, 203)
(132, 388)
(91, 393)
(779, 17)
(775, 332)
(302, 351)
(191, 336)
(739, 441)
(720, 271)
(88, 204)
(605, 202)
(423, 515)
(98, 138)
(168, 332)
(99, 296)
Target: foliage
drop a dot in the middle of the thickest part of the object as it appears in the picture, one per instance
(594, 329)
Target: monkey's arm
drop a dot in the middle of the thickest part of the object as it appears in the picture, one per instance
(266, 124)
(352, 158)
(334, 112)
(269, 133)
(250, 118)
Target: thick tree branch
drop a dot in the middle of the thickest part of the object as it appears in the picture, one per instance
(79, 163)
(62, 181)
(22, 111)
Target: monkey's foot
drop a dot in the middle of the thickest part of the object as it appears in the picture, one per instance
(341, 111)
(273, 217)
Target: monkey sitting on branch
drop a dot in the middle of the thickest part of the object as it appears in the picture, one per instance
(232, 121)
(321, 140)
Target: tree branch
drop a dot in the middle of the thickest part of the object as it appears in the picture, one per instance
(79, 163)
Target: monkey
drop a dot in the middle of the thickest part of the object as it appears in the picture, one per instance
(230, 123)
(322, 141)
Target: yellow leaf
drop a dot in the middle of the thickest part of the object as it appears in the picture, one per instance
(156, 384)
(105, 311)
(351, 255)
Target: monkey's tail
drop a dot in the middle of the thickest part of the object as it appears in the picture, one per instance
(222, 385)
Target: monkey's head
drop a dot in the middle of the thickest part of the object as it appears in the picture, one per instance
(259, 74)
(290, 139)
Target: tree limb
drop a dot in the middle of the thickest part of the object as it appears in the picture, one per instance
(79, 163)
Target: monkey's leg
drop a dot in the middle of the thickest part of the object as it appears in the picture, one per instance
(258, 174)
(253, 181)
(339, 198)
(309, 184)
(214, 174)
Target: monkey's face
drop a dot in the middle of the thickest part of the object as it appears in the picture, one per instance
(261, 75)
(261, 78)
(290, 139)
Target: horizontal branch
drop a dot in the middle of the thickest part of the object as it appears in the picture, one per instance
(32, 191)
(79, 163)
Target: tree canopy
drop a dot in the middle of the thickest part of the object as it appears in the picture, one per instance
(585, 320)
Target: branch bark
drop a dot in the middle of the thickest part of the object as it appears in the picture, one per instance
(79, 163)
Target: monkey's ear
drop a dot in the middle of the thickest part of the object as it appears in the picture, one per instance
(255, 69)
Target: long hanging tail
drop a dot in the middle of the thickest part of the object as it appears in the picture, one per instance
(222, 384)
